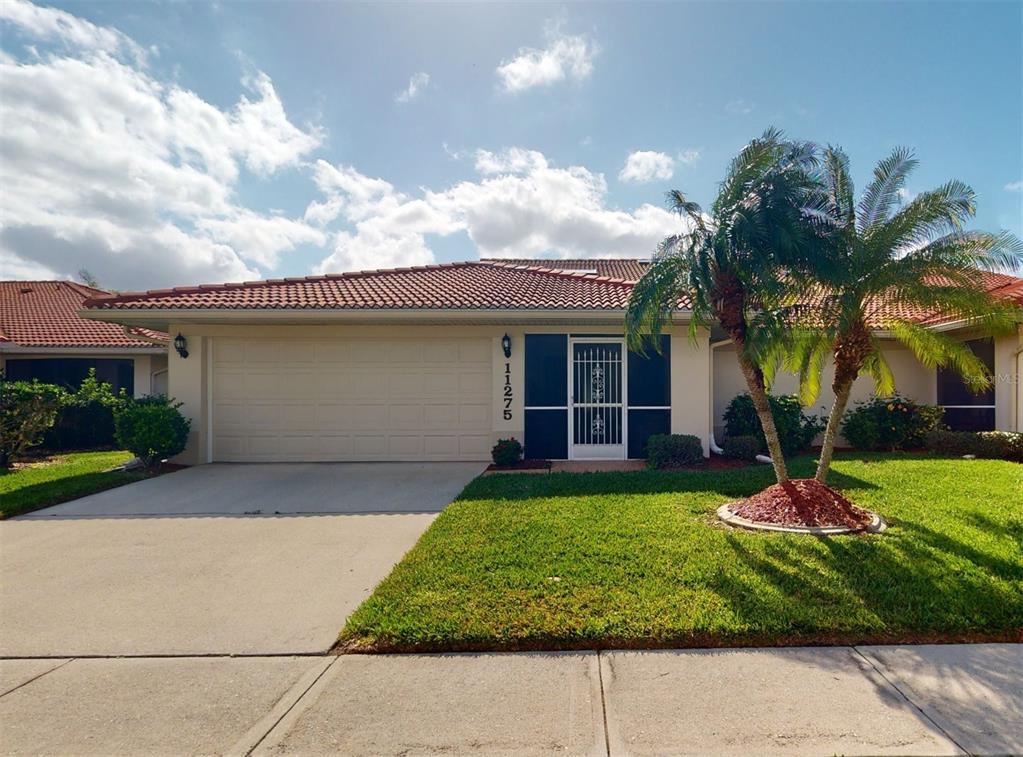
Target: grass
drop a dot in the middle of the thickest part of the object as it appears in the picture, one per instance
(60, 478)
(568, 561)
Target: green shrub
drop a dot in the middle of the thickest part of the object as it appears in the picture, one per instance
(673, 450)
(796, 429)
(506, 452)
(890, 423)
(995, 445)
(151, 428)
(741, 447)
(86, 417)
(27, 410)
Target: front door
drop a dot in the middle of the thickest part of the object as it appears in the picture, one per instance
(597, 394)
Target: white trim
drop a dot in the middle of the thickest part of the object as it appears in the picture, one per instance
(574, 449)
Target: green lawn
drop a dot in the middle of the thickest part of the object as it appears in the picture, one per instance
(60, 478)
(637, 559)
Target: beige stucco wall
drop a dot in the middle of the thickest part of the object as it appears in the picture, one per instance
(1008, 388)
(911, 380)
(188, 378)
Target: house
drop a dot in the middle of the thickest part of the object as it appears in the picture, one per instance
(43, 337)
(437, 362)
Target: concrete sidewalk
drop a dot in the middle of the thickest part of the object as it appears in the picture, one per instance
(866, 700)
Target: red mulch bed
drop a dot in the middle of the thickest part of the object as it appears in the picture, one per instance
(801, 502)
(523, 465)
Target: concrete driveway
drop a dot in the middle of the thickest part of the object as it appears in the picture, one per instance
(196, 562)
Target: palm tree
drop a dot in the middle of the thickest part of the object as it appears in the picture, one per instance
(911, 257)
(725, 267)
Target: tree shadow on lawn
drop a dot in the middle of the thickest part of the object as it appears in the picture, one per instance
(920, 586)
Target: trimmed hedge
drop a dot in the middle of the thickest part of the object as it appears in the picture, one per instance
(796, 429)
(741, 447)
(506, 452)
(995, 445)
(673, 450)
(890, 423)
(151, 428)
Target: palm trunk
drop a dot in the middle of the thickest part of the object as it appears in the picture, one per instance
(831, 432)
(755, 383)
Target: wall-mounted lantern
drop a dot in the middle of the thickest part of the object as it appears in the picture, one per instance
(506, 345)
(181, 345)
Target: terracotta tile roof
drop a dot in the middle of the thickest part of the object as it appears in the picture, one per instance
(44, 314)
(478, 285)
(490, 284)
(627, 269)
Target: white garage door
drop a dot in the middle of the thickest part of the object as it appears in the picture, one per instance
(351, 399)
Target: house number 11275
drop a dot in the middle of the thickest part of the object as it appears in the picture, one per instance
(507, 392)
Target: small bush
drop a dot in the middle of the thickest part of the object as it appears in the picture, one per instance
(994, 445)
(151, 428)
(673, 450)
(741, 447)
(27, 410)
(507, 452)
(86, 417)
(796, 429)
(890, 423)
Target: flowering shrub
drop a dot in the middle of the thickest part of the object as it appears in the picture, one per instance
(506, 452)
(890, 423)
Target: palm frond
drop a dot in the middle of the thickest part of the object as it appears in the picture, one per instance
(876, 366)
(883, 192)
(938, 350)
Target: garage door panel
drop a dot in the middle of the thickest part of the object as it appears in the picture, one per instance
(347, 399)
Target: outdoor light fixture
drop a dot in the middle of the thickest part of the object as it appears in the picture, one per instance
(181, 345)
(506, 345)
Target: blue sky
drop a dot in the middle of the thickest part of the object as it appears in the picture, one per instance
(515, 141)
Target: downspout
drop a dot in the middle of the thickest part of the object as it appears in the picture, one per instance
(713, 442)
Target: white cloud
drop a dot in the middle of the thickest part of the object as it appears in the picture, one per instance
(53, 25)
(644, 166)
(740, 107)
(905, 195)
(565, 57)
(521, 206)
(689, 156)
(416, 84)
(106, 166)
(1014, 186)
(512, 160)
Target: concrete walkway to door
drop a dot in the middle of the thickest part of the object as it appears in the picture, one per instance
(197, 562)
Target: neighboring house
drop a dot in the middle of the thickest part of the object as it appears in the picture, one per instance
(438, 362)
(43, 337)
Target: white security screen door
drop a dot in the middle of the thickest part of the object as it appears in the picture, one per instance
(597, 393)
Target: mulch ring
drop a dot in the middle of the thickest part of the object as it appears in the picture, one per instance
(802, 502)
